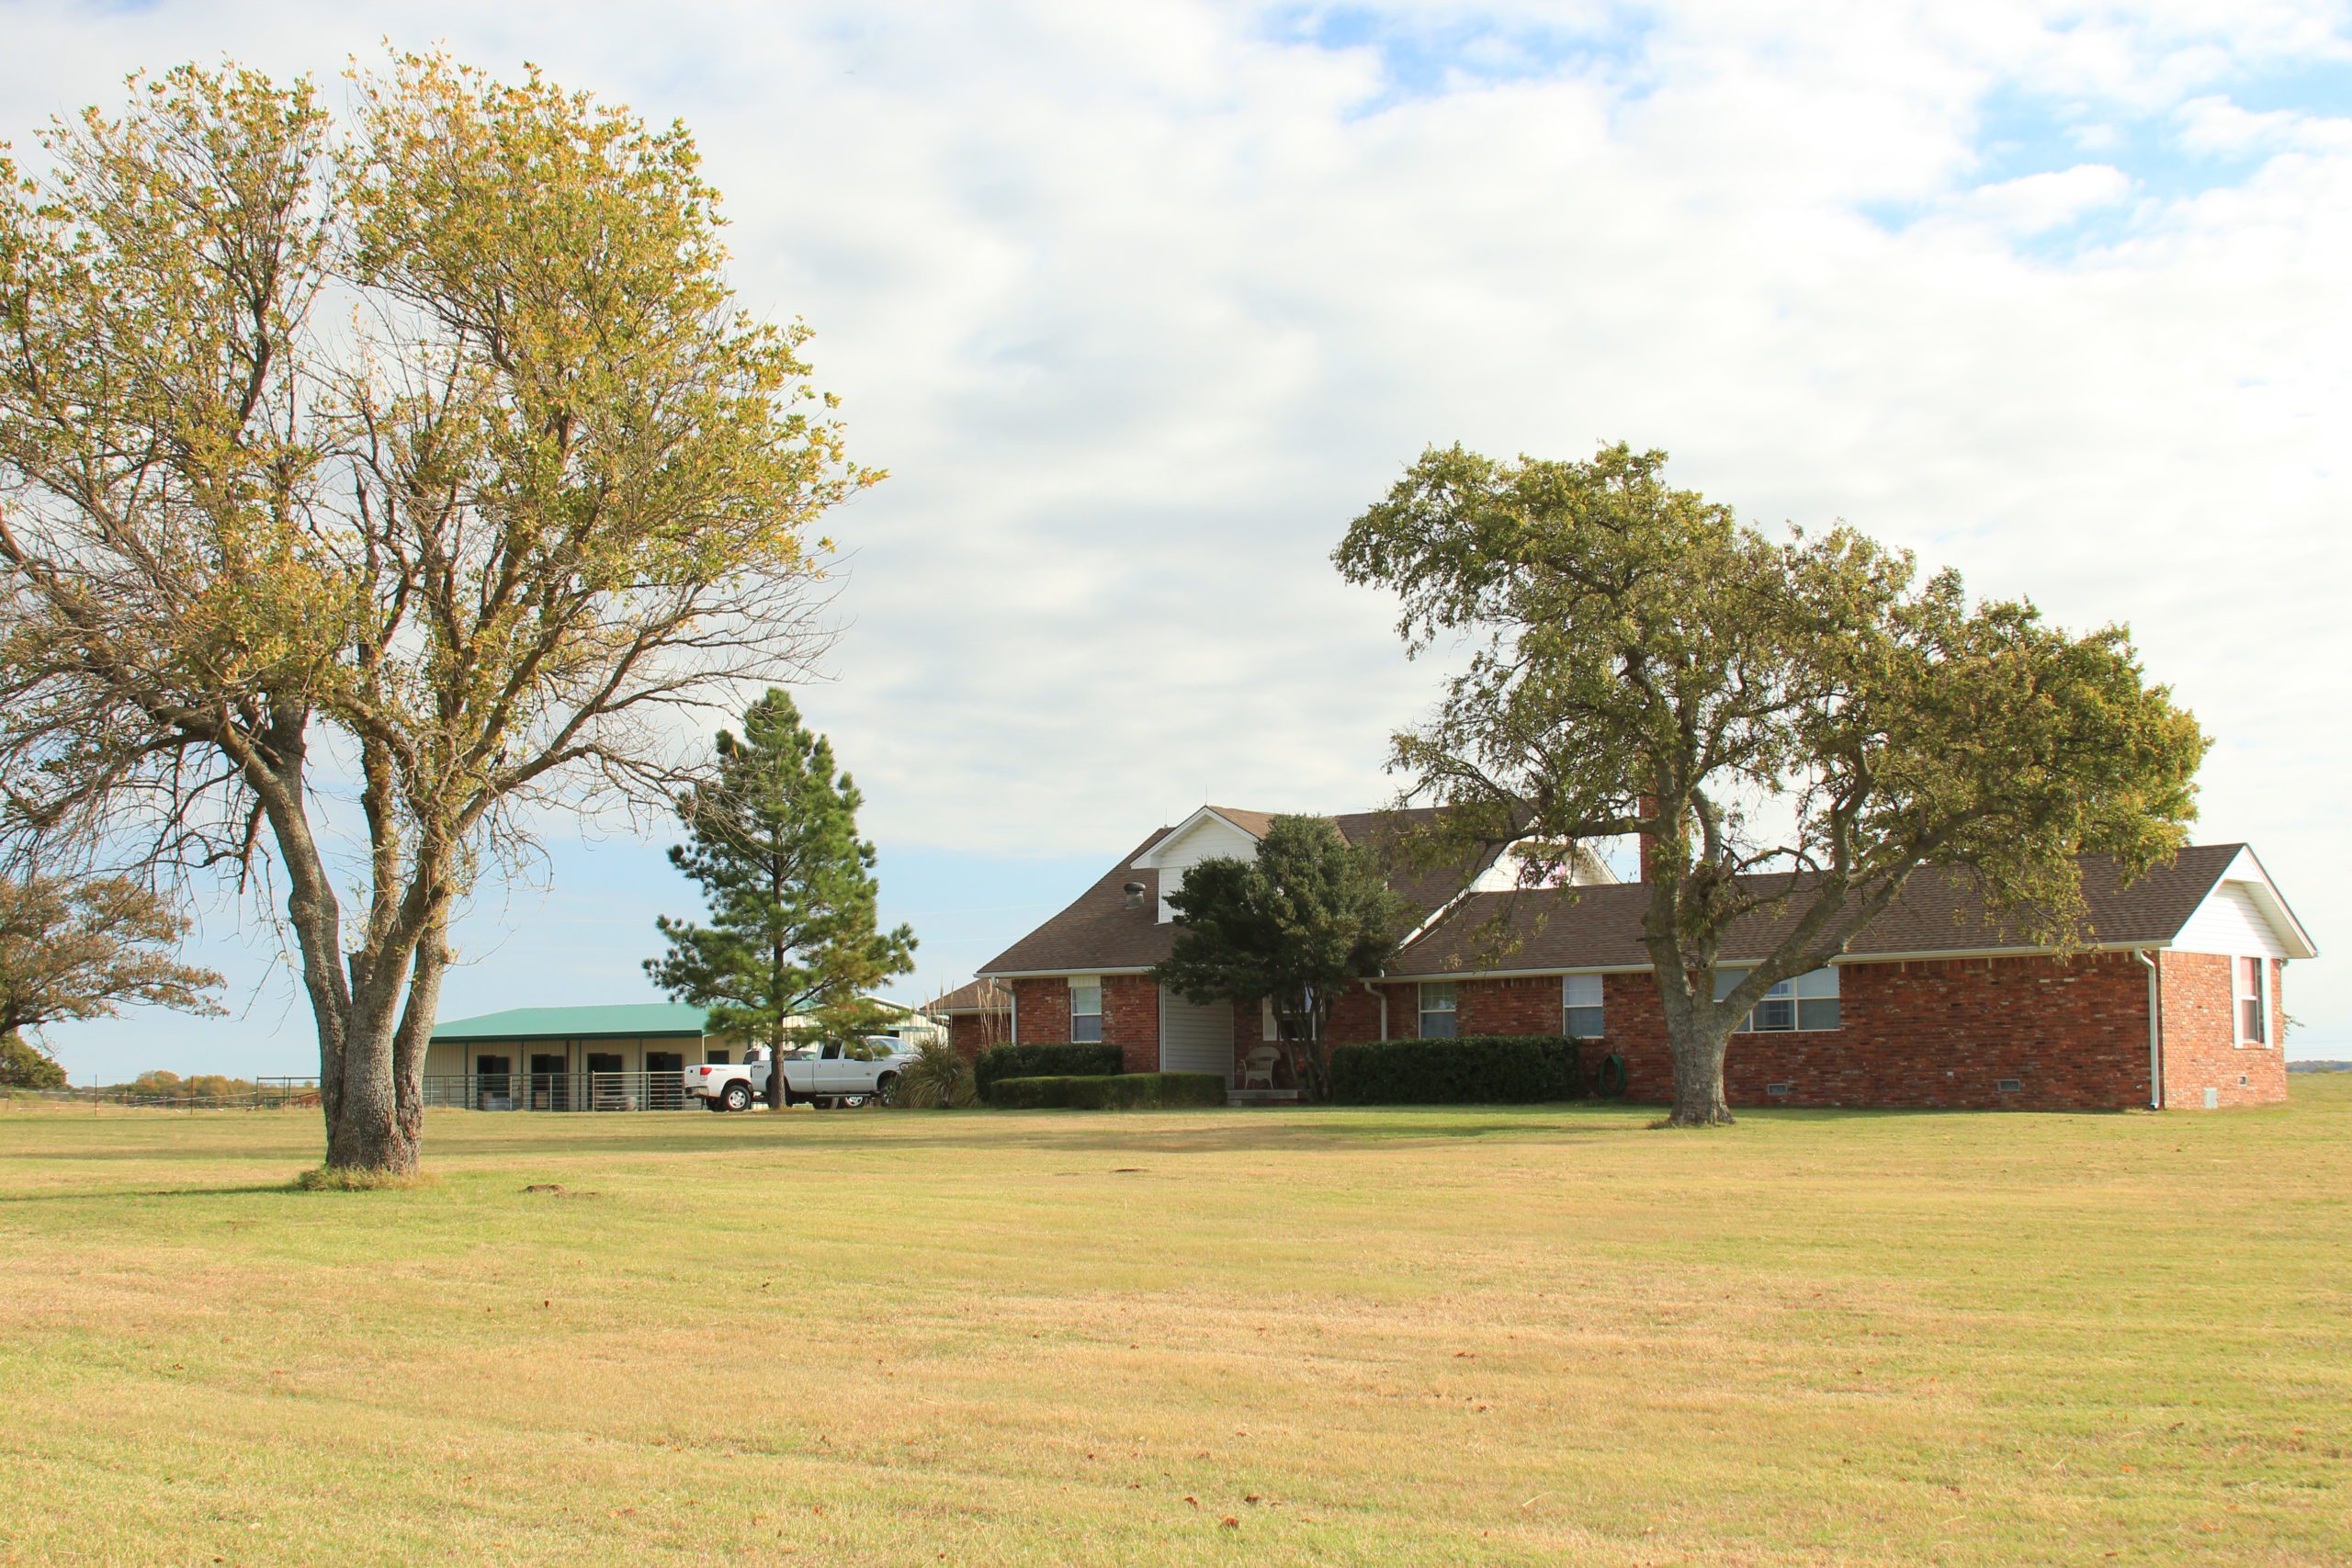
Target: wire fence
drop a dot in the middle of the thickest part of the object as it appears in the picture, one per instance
(264, 1094)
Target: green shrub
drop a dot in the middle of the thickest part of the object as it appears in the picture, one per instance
(1045, 1061)
(1479, 1069)
(939, 1078)
(1124, 1092)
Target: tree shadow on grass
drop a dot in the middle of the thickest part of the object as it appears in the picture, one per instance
(125, 1194)
(1017, 1132)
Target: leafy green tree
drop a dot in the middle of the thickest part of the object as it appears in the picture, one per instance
(24, 1065)
(1794, 724)
(412, 471)
(83, 948)
(1309, 916)
(772, 841)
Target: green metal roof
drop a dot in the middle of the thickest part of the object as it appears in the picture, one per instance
(625, 1021)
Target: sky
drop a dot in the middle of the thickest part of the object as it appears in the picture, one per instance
(1141, 304)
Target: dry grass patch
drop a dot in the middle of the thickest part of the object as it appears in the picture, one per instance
(1522, 1336)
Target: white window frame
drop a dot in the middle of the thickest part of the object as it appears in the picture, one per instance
(2261, 998)
(1086, 982)
(1450, 1011)
(1789, 991)
(1570, 1006)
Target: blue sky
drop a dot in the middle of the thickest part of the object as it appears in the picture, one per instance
(1140, 304)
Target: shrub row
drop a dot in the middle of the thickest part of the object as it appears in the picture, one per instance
(1123, 1091)
(1477, 1069)
(1043, 1061)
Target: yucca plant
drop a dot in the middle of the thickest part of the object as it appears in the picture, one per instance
(939, 1078)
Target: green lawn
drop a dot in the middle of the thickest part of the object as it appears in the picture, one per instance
(1532, 1336)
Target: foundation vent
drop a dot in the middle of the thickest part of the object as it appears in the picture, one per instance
(1778, 1090)
(2010, 1086)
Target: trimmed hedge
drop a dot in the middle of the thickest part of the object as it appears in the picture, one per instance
(1045, 1061)
(1123, 1091)
(1477, 1069)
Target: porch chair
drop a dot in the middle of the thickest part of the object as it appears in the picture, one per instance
(1258, 1067)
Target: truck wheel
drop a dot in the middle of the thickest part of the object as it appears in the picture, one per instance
(885, 1088)
(739, 1095)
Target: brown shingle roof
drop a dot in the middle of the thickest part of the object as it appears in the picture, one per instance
(1938, 911)
(978, 996)
(1099, 932)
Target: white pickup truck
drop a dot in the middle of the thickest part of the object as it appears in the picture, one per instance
(819, 1074)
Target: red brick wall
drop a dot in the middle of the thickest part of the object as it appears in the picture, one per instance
(972, 1033)
(1041, 1010)
(1523, 1006)
(1131, 1019)
(1130, 1016)
(1939, 1034)
(2201, 1045)
(1355, 1017)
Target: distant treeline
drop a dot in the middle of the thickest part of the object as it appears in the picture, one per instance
(164, 1085)
(2319, 1066)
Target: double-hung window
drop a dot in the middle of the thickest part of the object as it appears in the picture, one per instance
(2252, 1008)
(1807, 1002)
(1085, 1009)
(1437, 1009)
(1580, 1007)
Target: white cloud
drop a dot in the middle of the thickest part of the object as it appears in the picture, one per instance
(2033, 204)
(1142, 303)
(2213, 125)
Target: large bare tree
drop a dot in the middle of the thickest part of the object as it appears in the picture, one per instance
(393, 482)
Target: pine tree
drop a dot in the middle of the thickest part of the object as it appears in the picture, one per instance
(772, 841)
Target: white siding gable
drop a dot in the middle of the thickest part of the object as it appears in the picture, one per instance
(2230, 921)
(1584, 869)
(1208, 837)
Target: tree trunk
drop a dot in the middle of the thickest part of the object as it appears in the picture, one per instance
(365, 1131)
(415, 1033)
(775, 1067)
(1698, 1076)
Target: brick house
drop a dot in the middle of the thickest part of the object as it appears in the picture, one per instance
(977, 1015)
(2177, 1000)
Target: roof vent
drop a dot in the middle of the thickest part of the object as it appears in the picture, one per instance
(1134, 891)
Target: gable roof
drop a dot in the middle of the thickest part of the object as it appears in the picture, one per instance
(978, 996)
(625, 1021)
(1098, 932)
(1939, 912)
